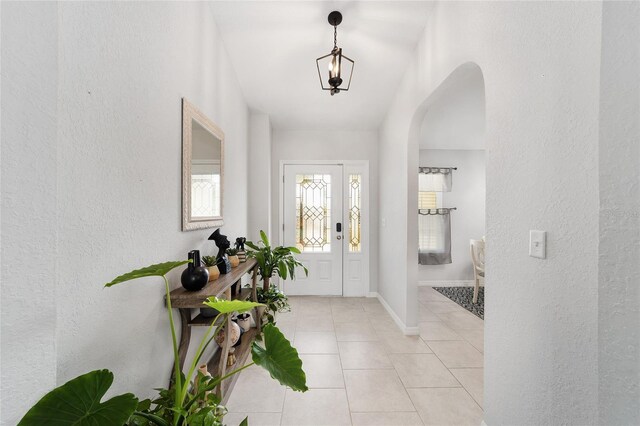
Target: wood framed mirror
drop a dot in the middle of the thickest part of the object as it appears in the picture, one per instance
(202, 170)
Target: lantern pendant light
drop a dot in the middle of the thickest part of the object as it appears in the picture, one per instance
(336, 63)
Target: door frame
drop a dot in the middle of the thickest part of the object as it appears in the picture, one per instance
(365, 228)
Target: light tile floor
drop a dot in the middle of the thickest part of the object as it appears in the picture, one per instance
(361, 370)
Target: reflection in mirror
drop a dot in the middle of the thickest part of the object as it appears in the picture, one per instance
(202, 170)
(205, 173)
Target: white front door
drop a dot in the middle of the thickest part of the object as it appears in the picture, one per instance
(324, 216)
(312, 222)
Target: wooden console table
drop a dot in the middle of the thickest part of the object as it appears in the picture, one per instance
(186, 301)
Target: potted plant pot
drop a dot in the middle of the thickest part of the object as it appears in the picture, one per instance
(236, 333)
(232, 256)
(244, 321)
(211, 264)
(214, 272)
(209, 312)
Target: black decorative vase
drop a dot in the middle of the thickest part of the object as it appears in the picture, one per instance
(196, 276)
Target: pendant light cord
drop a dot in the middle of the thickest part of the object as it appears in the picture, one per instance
(335, 37)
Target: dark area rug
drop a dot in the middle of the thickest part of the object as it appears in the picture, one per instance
(463, 296)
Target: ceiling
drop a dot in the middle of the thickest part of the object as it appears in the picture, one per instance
(273, 47)
(456, 118)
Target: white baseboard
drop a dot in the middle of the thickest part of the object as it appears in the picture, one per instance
(483, 423)
(411, 331)
(446, 283)
(372, 294)
(407, 331)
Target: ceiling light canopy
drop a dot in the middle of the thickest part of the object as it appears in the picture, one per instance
(337, 65)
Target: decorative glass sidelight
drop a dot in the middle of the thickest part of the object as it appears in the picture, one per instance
(313, 213)
(355, 211)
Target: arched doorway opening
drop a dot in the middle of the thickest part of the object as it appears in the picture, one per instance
(447, 133)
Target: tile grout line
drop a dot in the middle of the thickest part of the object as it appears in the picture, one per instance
(467, 390)
(344, 379)
(380, 341)
(445, 365)
(295, 331)
(449, 369)
(400, 379)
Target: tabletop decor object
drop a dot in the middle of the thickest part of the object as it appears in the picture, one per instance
(242, 254)
(211, 263)
(196, 276)
(232, 255)
(222, 242)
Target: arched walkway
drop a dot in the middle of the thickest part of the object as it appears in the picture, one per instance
(460, 73)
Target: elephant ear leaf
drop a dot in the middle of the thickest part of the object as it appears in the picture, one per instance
(159, 270)
(280, 359)
(228, 306)
(77, 402)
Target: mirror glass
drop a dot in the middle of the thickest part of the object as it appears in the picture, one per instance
(205, 173)
(202, 170)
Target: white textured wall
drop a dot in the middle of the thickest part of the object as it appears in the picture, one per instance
(259, 175)
(540, 62)
(456, 118)
(28, 233)
(619, 261)
(393, 208)
(329, 145)
(468, 221)
(110, 187)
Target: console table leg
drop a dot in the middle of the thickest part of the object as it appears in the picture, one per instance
(224, 355)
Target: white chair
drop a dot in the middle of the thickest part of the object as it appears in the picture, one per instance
(477, 258)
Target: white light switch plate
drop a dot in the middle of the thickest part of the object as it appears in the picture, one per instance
(538, 244)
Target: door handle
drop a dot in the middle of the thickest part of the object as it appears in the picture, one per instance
(338, 227)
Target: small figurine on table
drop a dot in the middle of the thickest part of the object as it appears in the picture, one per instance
(222, 242)
(242, 255)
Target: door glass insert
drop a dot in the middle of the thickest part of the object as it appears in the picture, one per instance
(313, 213)
(355, 210)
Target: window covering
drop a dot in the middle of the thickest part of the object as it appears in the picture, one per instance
(434, 238)
(436, 179)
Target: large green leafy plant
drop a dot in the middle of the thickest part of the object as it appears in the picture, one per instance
(187, 402)
(275, 301)
(77, 402)
(271, 261)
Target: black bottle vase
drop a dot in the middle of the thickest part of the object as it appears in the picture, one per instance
(196, 276)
